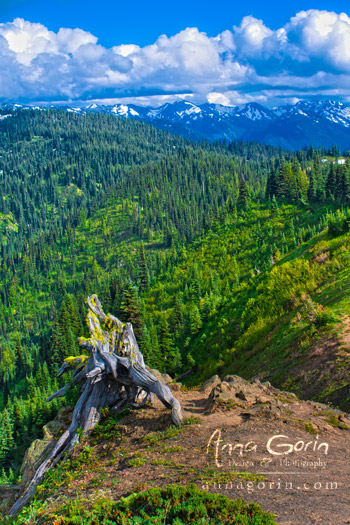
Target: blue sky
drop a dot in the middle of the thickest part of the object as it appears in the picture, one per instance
(151, 52)
(141, 22)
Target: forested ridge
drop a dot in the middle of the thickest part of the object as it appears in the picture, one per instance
(185, 240)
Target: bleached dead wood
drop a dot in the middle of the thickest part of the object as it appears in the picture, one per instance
(113, 375)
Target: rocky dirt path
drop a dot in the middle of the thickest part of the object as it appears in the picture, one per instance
(245, 440)
(301, 448)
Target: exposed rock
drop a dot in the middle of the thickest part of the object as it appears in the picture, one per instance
(33, 457)
(290, 395)
(225, 387)
(40, 447)
(54, 428)
(175, 387)
(235, 380)
(235, 391)
(266, 411)
(164, 378)
(262, 399)
(252, 399)
(210, 383)
(7, 494)
(256, 381)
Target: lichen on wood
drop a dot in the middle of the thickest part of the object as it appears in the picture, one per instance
(113, 375)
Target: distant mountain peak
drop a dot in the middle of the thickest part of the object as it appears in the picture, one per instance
(320, 123)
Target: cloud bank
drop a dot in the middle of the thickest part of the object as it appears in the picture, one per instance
(308, 56)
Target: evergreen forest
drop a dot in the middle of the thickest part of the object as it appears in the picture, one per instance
(226, 257)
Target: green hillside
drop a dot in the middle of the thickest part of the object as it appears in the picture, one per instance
(257, 295)
(220, 255)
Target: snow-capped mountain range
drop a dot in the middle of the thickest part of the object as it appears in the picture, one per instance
(320, 123)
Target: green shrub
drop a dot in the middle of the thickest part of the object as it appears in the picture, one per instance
(325, 317)
(334, 422)
(137, 462)
(317, 314)
(338, 222)
(175, 505)
(310, 428)
(107, 429)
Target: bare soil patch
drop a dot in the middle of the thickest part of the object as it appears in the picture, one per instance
(302, 476)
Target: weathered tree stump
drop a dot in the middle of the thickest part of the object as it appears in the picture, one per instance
(114, 375)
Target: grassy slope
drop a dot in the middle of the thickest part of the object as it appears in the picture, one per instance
(253, 327)
(251, 310)
(264, 324)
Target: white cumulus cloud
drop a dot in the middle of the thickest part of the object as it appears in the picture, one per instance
(309, 55)
(323, 35)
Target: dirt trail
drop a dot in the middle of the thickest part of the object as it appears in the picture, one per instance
(305, 472)
(309, 484)
(344, 336)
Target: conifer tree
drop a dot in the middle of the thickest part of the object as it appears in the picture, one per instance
(311, 192)
(132, 309)
(331, 183)
(339, 184)
(195, 320)
(66, 330)
(284, 181)
(6, 436)
(346, 195)
(144, 278)
(243, 195)
(170, 354)
(271, 185)
(178, 314)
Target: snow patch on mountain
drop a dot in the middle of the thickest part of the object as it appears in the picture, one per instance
(318, 123)
(192, 110)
